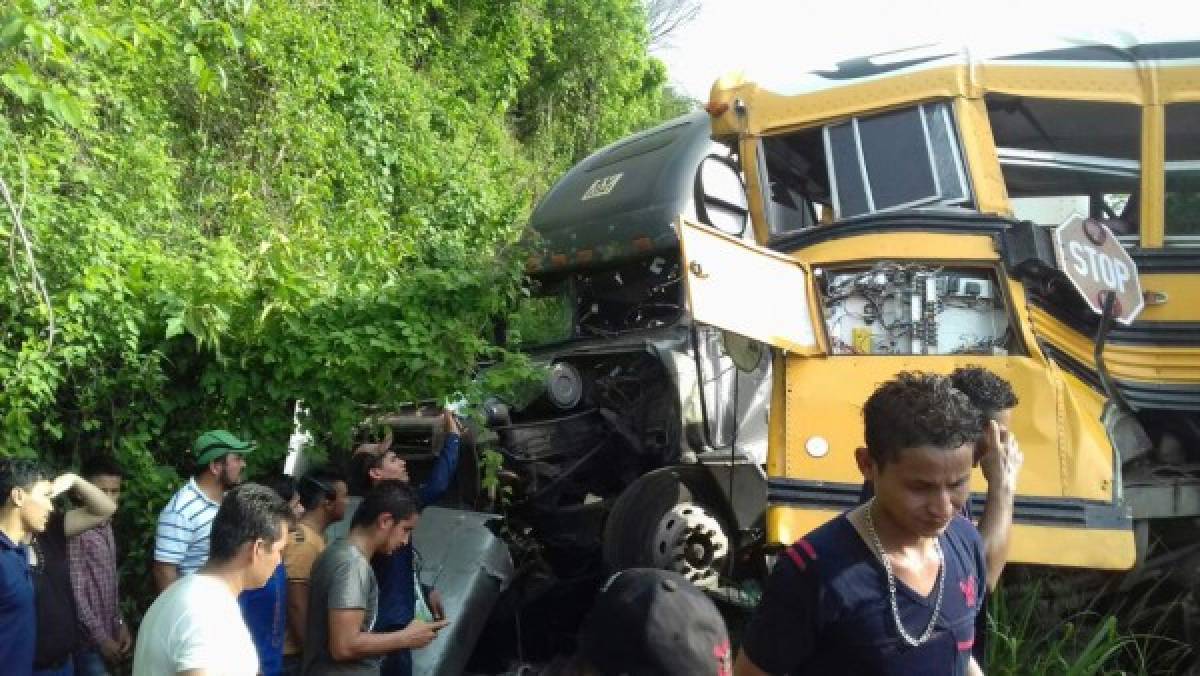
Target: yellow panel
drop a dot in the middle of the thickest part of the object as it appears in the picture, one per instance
(1178, 84)
(913, 245)
(746, 289)
(769, 112)
(1085, 452)
(1153, 155)
(772, 113)
(1149, 363)
(979, 148)
(1020, 309)
(749, 149)
(1116, 85)
(1183, 296)
(825, 397)
(1075, 547)
(777, 417)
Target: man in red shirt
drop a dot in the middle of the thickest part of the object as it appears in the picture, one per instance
(92, 558)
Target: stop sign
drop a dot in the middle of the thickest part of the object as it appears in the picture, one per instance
(1097, 265)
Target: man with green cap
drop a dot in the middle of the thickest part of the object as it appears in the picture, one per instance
(181, 541)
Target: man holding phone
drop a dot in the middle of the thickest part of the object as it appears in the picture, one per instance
(344, 594)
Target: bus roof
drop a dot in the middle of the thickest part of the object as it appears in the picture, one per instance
(1120, 68)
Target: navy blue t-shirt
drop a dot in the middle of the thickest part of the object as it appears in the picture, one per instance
(265, 612)
(980, 649)
(825, 609)
(17, 615)
(397, 601)
(394, 572)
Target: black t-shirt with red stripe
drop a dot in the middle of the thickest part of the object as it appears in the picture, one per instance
(825, 608)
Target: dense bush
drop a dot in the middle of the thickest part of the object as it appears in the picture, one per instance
(232, 205)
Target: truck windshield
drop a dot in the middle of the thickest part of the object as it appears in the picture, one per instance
(639, 294)
(545, 316)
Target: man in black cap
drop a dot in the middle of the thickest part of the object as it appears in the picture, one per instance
(650, 622)
(181, 541)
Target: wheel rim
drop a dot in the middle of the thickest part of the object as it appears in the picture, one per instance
(691, 542)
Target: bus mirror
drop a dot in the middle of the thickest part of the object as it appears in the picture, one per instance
(721, 196)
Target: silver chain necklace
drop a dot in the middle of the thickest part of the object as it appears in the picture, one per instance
(891, 583)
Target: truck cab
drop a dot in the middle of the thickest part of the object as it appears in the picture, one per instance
(646, 445)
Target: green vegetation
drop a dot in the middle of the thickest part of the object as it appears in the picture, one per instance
(1027, 637)
(214, 208)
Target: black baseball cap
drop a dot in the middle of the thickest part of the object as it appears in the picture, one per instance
(648, 621)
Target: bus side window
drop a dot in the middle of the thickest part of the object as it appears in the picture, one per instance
(1182, 209)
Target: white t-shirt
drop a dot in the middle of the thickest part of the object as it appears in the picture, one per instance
(195, 624)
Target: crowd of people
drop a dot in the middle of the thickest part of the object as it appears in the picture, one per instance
(316, 575)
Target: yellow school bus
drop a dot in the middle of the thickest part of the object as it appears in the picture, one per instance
(901, 209)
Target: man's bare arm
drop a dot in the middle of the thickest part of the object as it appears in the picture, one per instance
(297, 612)
(348, 642)
(96, 507)
(164, 574)
(744, 667)
(1000, 467)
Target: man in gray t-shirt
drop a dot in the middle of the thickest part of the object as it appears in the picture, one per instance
(340, 579)
(343, 598)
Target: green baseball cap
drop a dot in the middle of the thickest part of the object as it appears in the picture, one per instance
(215, 443)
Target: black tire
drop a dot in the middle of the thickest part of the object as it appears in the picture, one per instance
(629, 533)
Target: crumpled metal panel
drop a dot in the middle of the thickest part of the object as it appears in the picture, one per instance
(470, 566)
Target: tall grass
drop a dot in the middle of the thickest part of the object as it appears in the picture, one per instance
(1028, 638)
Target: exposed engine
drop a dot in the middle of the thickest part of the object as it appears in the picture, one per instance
(908, 309)
(601, 422)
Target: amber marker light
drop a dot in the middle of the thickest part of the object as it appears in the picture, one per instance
(716, 108)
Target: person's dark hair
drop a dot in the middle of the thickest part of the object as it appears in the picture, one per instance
(387, 497)
(358, 479)
(987, 391)
(19, 473)
(283, 485)
(918, 409)
(317, 486)
(101, 465)
(247, 513)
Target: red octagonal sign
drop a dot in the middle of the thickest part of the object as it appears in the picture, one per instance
(1097, 265)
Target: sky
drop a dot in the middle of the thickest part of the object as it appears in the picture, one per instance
(772, 39)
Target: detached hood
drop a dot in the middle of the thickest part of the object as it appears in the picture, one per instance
(621, 202)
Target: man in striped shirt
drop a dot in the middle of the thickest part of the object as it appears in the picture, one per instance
(181, 541)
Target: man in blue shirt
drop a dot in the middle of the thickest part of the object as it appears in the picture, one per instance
(26, 493)
(265, 609)
(893, 586)
(395, 572)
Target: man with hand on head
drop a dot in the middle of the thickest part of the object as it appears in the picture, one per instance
(195, 627)
(181, 541)
(58, 635)
(997, 455)
(344, 595)
(999, 458)
(92, 560)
